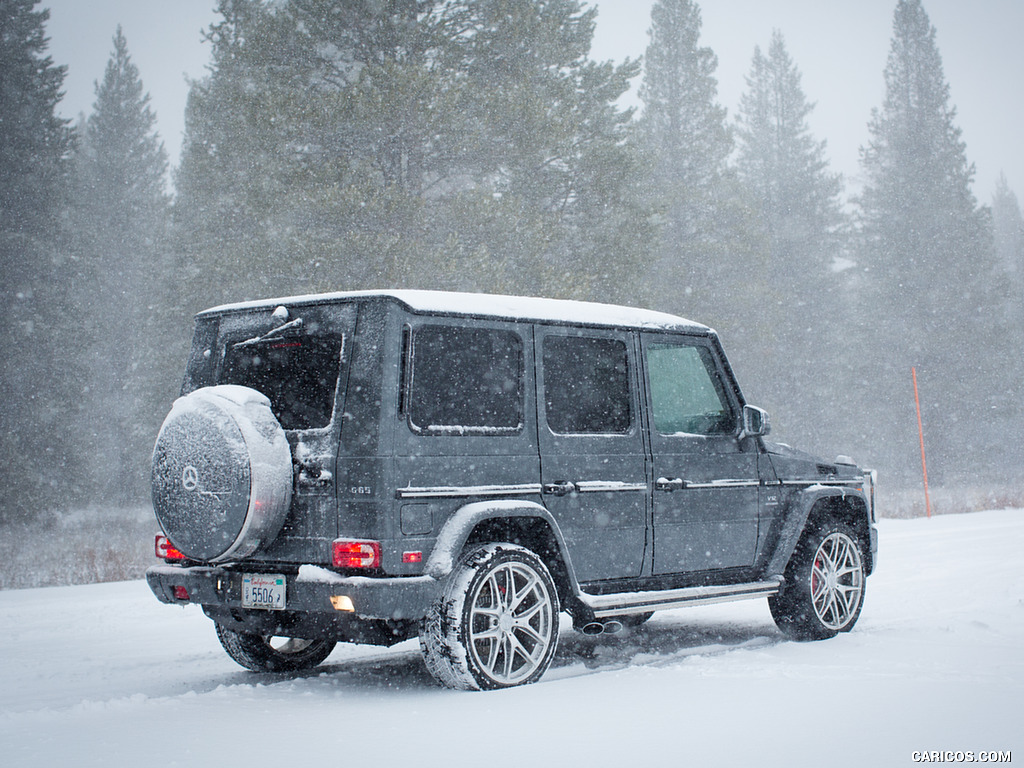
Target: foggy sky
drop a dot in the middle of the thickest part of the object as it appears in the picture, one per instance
(840, 48)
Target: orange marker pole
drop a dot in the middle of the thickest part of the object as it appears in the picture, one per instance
(920, 432)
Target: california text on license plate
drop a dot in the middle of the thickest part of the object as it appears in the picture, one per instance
(263, 590)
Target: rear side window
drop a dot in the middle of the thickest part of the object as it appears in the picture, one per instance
(465, 381)
(586, 385)
(299, 374)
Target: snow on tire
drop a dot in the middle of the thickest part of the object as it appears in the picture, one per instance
(495, 625)
(823, 591)
(222, 474)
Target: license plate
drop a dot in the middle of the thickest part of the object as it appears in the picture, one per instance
(263, 590)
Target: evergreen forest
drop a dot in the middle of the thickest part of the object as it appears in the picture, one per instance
(474, 145)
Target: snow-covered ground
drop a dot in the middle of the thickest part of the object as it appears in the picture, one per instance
(105, 675)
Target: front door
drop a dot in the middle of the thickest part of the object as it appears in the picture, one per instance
(705, 477)
(593, 463)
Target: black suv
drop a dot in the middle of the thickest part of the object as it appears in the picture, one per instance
(368, 467)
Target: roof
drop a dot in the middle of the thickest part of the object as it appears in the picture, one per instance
(494, 306)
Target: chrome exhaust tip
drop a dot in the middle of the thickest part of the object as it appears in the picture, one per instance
(602, 628)
(613, 627)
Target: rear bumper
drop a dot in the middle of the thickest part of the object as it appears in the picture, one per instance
(311, 591)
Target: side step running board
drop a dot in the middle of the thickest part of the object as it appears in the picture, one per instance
(641, 602)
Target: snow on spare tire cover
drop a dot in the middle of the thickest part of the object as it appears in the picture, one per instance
(222, 473)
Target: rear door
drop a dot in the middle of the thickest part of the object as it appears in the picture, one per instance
(466, 432)
(705, 478)
(593, 463)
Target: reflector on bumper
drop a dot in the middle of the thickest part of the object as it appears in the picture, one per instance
(342, 603)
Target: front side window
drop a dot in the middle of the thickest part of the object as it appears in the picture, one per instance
(586, 385)
(465, 380)
(298, 373)
(687, 394)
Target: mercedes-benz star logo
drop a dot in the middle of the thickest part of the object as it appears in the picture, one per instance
(189, 478)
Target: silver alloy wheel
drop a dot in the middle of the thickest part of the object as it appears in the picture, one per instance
(510, 623)
(837, 580)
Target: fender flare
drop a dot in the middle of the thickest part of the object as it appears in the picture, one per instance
(457, 529)
(796, 522)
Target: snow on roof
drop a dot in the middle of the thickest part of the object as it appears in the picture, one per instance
(493, 306)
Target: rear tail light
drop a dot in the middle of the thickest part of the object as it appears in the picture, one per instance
(347, 553)
(180, 593)
(167, 551)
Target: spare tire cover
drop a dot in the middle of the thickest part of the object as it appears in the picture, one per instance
(222, 474)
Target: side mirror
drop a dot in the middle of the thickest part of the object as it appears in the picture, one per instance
(755, 422)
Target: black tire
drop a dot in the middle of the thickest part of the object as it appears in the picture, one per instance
(823, 591)
(496, 622)
(222, 474)
(273, 654)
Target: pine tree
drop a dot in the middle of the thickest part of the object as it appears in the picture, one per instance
(918, 196)
(686, 138)
(1008, 225)
(227, 186)
(798, 198)
(38, 386)
(305, 147)
(928, 247)
(551, 150)
(796, 202)
(121, 218)
(35, 140)
(465, 144)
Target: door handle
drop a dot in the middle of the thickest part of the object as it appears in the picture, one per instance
(669, 485)
(559, 489)
(313, 476)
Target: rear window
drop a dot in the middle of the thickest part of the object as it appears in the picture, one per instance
(298, 373)
(465, 380)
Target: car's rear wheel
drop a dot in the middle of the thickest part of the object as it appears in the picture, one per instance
(823, 591)
(271, 653)
(496, 623)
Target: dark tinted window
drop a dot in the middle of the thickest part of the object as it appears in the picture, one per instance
(299, 374)
(466, 380)
(586, 385)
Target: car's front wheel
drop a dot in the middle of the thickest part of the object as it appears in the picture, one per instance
(823, 592)
(271, 653)
(496, 623)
